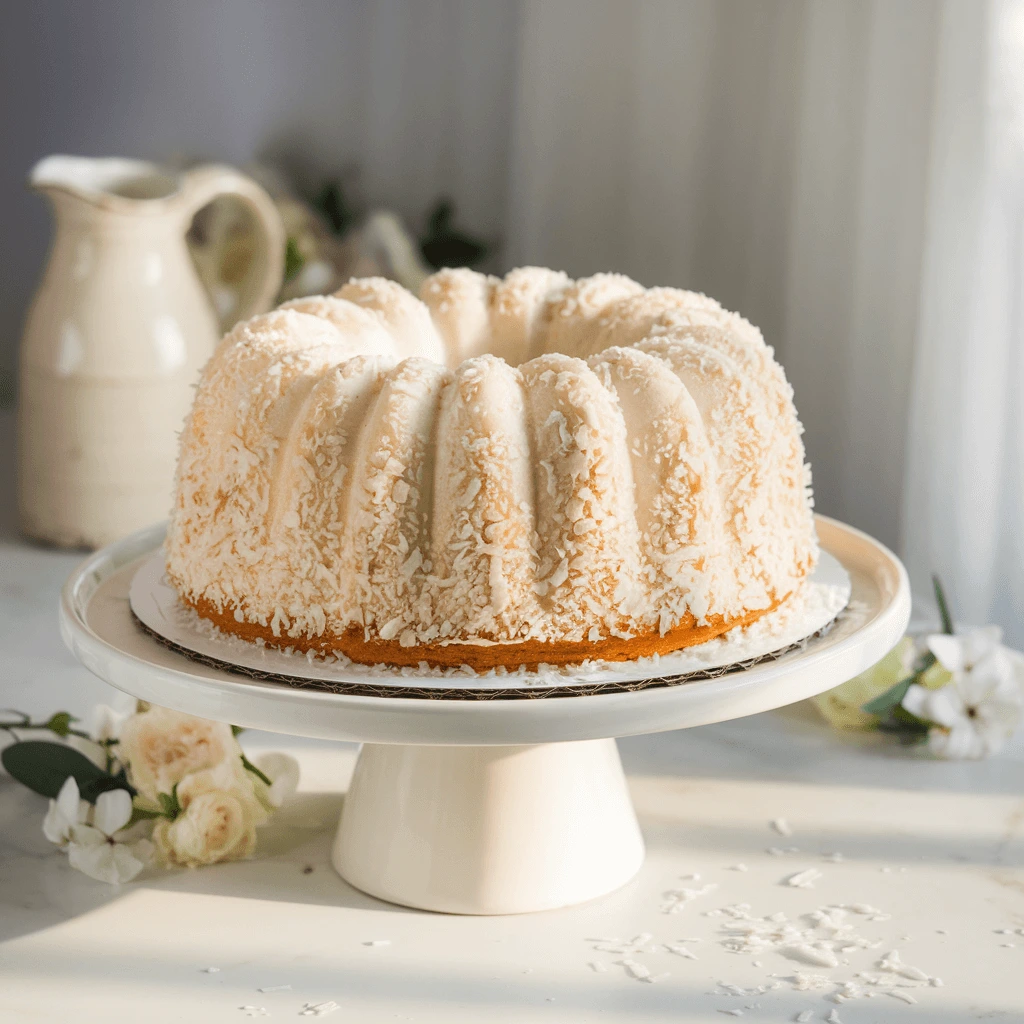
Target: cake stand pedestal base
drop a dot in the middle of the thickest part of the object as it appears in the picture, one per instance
(473, 806)
(488, 830)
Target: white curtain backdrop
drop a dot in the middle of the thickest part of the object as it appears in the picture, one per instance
(848, 174)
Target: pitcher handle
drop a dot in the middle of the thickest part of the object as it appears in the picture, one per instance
(204, 184)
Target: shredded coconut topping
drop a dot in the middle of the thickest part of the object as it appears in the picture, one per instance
(643, 471)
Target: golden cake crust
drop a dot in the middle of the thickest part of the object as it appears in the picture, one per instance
(529, 654)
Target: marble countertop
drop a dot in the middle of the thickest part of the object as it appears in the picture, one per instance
(933, 851)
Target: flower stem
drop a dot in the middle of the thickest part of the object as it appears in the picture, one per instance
(940, 600)
(249, 766)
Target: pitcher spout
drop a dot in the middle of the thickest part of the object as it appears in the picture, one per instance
(103, 181)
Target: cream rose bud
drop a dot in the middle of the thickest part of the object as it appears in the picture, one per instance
(218, 819)
(161, 747)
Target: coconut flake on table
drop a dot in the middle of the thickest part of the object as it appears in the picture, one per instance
(637, 944)
(681, 951)
(865, 908)
(637, 971)
(319, 1009)
(803, 879)
(732, 990)
(812, 955)
(674, 900)
(782, 826)
(893, 963)
(902, 995)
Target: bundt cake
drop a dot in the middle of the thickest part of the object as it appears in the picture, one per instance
(499, 473)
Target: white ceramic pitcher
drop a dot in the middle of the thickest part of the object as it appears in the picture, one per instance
(114, 340)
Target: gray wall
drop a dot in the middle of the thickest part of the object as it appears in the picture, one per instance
(416, 95)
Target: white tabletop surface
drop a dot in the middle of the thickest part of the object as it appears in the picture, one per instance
(937, 847)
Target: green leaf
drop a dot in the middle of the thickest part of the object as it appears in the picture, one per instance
(60, 723)
(169, 805)
(440, 220)
(294, 261)
(909, 728)
(923, 662)
(890, 699)
(237, 730)
(250, 767)
(841, 706)
(443, 245)
(331, 203)
(142, 814)
(940, 600)
(44, 767)
(103, 784)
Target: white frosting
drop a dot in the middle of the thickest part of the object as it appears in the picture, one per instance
(645, 466)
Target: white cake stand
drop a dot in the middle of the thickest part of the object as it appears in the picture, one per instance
(481, 806)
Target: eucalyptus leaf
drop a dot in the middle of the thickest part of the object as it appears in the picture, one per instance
(44, 767)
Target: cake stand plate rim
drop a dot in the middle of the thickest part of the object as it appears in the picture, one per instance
(157, 608)
(141, 665)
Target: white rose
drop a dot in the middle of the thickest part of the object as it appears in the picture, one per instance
(161, 747)
(214, 828)
(218, 818)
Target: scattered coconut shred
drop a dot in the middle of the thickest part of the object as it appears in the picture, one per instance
(319, 1009)
(815, 942)
(803, 879)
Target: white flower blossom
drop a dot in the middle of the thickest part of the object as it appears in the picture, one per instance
(107, 720)
(283, 771)
(105, 850)
(977, 711)
(67, 811)
(104, 729)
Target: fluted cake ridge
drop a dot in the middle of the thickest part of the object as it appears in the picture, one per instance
(500, 472)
